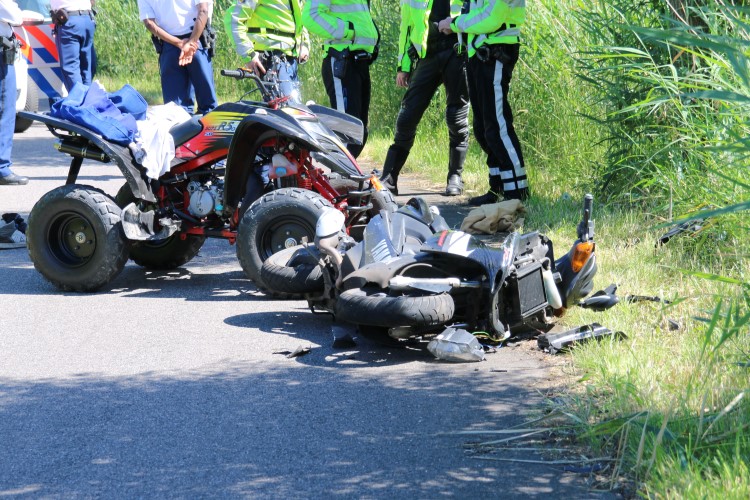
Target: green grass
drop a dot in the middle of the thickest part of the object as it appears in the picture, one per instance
(657, 130)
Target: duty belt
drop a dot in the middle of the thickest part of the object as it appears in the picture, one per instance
(271, 31)
(79, 12)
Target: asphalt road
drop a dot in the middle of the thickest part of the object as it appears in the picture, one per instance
(167, 384)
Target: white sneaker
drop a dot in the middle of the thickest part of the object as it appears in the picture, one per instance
(10, 237)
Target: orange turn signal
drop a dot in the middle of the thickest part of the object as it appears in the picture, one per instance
(376, 183)
(581, 254)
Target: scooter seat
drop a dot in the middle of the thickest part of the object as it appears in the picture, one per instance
(186, 130)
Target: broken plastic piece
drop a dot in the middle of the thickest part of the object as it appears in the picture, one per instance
(692, 226)
(645, 298)
(601, 300)
(456, 345)
(556, 342)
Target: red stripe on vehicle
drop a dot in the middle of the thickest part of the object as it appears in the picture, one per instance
(44, 40)
(441, 240)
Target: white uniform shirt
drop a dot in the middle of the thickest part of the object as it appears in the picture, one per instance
(10, 14)
(175, 17)
(71, 4)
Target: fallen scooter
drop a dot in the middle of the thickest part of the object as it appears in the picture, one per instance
(80, 238)
(452, 279)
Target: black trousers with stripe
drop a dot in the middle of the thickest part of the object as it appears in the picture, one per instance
(489, 84)
(350, 94)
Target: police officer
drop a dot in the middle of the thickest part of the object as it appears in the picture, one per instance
(269, 34)
(350, 39)
(74, 36)
(427, 59)
(185, 51)
(10, 14)
(493, 28)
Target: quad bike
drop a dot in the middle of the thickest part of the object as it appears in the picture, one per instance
(80, 238)
(404, 283)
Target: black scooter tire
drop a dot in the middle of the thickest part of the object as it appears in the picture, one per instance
(374, 307)
(275, 221)
(75, 239)
(292, 272)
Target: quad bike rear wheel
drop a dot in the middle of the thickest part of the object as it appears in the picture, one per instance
(75, 239)
(375, 307)
(166, 254)
(293, 272)
(277, 220)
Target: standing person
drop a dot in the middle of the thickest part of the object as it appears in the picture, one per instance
(350, 41)
(74, 36)
(10, 15)
(427, 59)
(267, 30)
(493, 27)
(181, 36)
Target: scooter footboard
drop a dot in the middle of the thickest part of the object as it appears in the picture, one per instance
(82, 143)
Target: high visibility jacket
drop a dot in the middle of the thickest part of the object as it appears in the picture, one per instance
(489, 22)
(260, 25)
(341, 23)
(415, 20)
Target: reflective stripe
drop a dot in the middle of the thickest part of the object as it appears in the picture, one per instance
(504, 137)
(364, 41)
(344, 9)
(338, 90)
(335, 31)
(417, 5)
(494, 171)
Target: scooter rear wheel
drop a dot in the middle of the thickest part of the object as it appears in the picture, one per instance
(373, 306)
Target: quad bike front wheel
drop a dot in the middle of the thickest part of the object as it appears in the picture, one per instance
(277, 220)
(375, 307)
(75, 239)
(166, 254)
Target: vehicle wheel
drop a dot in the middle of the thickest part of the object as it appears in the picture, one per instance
(373, 306)
(170, 253)
(381, 200)
(75, 238)
(293, 272)
(277, 220)
(32, 105)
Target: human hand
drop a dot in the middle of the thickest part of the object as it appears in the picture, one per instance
(445, 27)
(402, 79)
(304, 54)
(256, 66)
(186, 52)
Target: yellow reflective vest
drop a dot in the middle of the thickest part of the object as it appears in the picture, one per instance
(489, 22)
(265, 25)
(415, 19)
(341, 24)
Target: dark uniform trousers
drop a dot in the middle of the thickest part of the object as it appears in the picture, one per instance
(440, 67)
(489, 82)
(350, 94)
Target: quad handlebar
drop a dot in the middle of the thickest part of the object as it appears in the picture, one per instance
(586, 227)
(268, 89)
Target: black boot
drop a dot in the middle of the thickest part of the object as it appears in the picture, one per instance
(394, 162)
(494, 195)
(456, 159)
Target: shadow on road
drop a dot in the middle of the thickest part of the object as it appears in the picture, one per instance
(244, 430)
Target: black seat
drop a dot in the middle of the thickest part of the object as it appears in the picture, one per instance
(186, 130)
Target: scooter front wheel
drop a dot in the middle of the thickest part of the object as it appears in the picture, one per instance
(373, 306)
(293, 272)
(277, 220)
